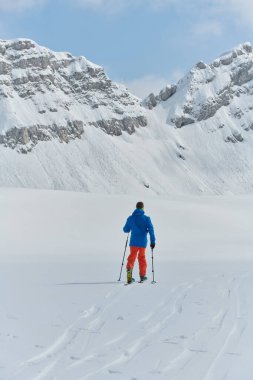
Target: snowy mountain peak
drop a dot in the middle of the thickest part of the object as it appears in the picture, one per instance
(207, 88)
(47, 95)
(198, 137)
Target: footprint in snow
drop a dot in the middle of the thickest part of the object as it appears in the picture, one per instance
(113, 372)
(75, 358)
(12, 336)
(168, 341)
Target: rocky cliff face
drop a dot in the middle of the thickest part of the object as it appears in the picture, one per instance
(46, 95)
(220, 92)
(78, 127)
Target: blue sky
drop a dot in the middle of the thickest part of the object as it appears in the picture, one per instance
(143, 43)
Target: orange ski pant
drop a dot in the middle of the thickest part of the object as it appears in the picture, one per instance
(141, 258)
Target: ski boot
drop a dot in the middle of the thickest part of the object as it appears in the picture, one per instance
(143, 278)
(130, 279)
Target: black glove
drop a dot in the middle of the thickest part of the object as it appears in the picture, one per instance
(152, 245)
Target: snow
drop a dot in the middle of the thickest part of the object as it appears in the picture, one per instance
(34, 78)
(152, 156)
(65, 316)
(211, 155)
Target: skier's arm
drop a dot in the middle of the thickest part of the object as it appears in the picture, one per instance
(151, 232)
(127, 226)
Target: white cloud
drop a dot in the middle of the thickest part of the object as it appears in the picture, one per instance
(155, 5)
(19, 5)
(240, 10)
(115, 6)
(175, 76)
(243, 10)
(108, 6)
(207, 28)
(142, 87)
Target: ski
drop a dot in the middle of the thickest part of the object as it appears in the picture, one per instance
(139, 282)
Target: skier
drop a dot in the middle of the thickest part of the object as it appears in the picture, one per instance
(139, 225)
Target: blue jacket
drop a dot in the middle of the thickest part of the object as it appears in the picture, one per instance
(140, 225)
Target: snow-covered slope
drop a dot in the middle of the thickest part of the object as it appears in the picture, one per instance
(64, 315)
(220, 93)
(75, 223)
(80, 131)
(46, 95)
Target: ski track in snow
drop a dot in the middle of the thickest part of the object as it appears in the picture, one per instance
(194, 332)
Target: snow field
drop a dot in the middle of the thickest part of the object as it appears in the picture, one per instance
(47, 223)
(64, 316)
(196, 322)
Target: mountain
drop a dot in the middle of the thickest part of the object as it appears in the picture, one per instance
(66, 125)
(46, 95)
(210, 112)
(222, 88)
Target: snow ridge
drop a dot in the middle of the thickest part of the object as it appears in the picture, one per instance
(46, 95)
(202, 92)
(83, 132)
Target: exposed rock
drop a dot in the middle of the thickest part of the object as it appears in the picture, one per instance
(116, 126)
(206, 89)
(235, 137)
(119, 111)
(150, 101)
(183, 120)
(179, 155)
(19, 138)
(50, 88)
(231, 139)
(201, 65)
(215, 63)
(167, 92)
(209, 108)
(25, 138)
(180, 146)
(247, 47)
(21, 44)
(5, 67)
(242, 73)
(226, 59)
(238, 136)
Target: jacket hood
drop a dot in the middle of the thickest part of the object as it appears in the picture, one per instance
(138, 211)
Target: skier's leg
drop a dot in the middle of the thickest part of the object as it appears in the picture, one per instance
(131, 258)
(130, 263)
(142, 261)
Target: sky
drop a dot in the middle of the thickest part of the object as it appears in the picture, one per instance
(144, 44)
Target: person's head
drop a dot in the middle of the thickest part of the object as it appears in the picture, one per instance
(140, 205)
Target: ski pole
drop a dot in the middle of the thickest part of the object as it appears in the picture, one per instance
(123, 258)
(153, 271)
